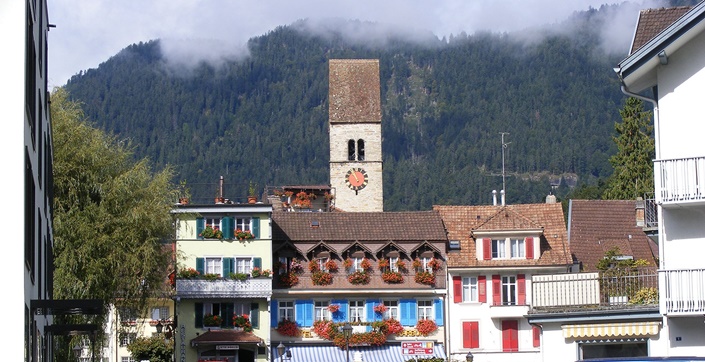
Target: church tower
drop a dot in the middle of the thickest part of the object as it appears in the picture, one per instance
(355, 131)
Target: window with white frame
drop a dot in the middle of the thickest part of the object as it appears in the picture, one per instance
(214, 266)
(284, 261)
(518, 248)
(426, 260)
(127, 338)
(322, 263)
(470, 289)
(211, 308)
(357, 311)
(160, 313)
(499, 249)
(392, 309)
(286, 310)
(393, 264)
(425, 309)
(243, 265)
(213, 222)
(320, 310)
(243, 223)
(127, 315)
(357, 264)
(241, 308)
(509, 290)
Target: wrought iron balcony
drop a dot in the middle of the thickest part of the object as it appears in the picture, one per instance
(201, 288)
(684, 291)
(612, 289)
(680, 180)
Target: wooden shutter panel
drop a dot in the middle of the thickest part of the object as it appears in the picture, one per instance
(536, 333)
(255, 227)
(254, 315)
(482, 289)
(228, 231)
(227, 312)
(521, 289)
(257, 263)
(198, 313)
(510, 336)
(457, 289)
(487, 249)
(228, 264)
(407, 311)
(438, 310)
(200, 225)
(274, 314)
(200, 265)
(496, 290)
(342, 314)
(471, 335)
(529, 243)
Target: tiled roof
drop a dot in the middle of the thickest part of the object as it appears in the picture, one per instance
(460, 221)
(354, 91)
(597, 226)
(224, 336)
(653, 21)
(358, 226)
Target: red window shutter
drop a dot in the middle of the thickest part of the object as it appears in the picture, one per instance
(510, 336)
(536, 332)
(487, 249)
(471, 335)
(521, 289)
(529, 243)
(482, 289)
(457, 289)
(496, 290)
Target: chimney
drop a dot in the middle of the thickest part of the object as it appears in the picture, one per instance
(219, 199)
(494, 197)
(551, 199)
(502, 193)
(640, 212)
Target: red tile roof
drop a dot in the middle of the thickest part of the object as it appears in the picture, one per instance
(460, 221)
(597, 226)
(653, 21)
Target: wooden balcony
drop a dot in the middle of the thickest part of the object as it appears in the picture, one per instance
(684, 291)
(680, 181)
(224, 288)
(614, 289)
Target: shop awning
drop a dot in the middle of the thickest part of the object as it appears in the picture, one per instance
(611, 330)
(386, 353)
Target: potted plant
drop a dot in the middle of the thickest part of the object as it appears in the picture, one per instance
(359, 277)
(252, 193)
(242, 322)
(424, 277)
(379, 308)
(288, 328)
(401, 266)
(333, 308)
(392, 277)
(210, 320)
(184, 193)
(331, 266)
(244, 234)
(366, 264)
(189, 273)
(239, 276)
(321, 278)
(288, 279)
(383, 264)
(211, 233)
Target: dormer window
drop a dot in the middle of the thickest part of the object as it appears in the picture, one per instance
(507, 248)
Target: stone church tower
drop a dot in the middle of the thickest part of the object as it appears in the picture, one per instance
(355, 131)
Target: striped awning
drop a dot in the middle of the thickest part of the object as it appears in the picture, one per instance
(328, 353)
(611, 330)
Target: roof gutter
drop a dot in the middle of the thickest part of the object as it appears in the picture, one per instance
(653, 101)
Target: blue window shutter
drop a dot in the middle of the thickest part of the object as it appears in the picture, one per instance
(254, 315)
(200, 268)
(200, 225)
(342, 314)
(255, 227)
(198, 312)
(369, 306)
(274, 313)
(227, 227)
(227, 312)
(438, 308)
(304, 313)
(257, 263)
(407, 311)
(228, 264)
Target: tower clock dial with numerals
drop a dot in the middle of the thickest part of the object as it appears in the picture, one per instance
(356, 179)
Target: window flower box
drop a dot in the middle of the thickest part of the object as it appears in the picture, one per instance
(242, 321)
(321, 278)
(211, 233)
(425, 277)
(243, 235)
(359, 277)
(288, 328)
(392, 277)
(426, 327)
(288, 279)
(380, 308)
(210, 320)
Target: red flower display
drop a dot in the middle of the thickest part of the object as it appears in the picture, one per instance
(288, 328)
(426, 326)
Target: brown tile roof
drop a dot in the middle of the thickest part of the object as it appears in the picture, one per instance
(354, 90)
(224, 336)
(597, 226)
(653, 21)
(365, 227)
(460, 221)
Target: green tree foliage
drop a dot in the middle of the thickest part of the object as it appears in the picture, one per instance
(111, 214)
(152, 349)
(633, 169)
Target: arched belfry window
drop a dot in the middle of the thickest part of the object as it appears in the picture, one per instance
(360, 150)
(351, 150)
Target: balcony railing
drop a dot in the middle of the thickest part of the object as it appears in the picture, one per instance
(200, 288)
(680, 179)
(612, 289)
(684, 291)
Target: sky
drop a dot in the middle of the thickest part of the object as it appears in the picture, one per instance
(88, 33)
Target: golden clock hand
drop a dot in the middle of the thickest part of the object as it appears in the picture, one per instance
(354, 173)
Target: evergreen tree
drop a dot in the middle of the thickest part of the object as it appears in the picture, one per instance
(633, 169)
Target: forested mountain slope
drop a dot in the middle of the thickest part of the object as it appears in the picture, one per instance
(263, 118)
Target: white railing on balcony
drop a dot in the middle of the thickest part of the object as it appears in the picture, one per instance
(565, 289)
(680, 179)
(684, 291)
(200, 288)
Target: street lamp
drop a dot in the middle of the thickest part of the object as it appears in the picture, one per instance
(469, 357)
(77, 351)
(347, 332)
(160, 327)
(281, 348)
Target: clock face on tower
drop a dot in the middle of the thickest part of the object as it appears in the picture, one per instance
(356, 179)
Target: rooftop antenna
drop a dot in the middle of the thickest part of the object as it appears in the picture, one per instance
(504, 146)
